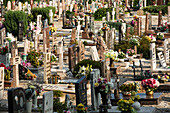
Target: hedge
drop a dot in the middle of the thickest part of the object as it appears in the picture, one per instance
(116, 25)
(156, 9)
(42, 11)
(102, 13)
(12, 19)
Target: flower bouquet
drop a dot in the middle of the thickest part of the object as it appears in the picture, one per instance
(121, 56)
(128, 88)
(29, 75)
(4, 50)
(112, 54)
(7, 71)
(159, 36)
(164, 27)
(150, 85)
(81, 108)
(84, 71)
(126, 106)
(134, 42)
(135, 17)
(102, 86)
(150, 38)
(163, 78)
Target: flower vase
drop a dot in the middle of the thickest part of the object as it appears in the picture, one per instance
(104, 98)
(35, 102)
(136, 105)
(24, 57)
(149, 93)
(28, 106)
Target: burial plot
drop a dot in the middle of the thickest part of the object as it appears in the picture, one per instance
(95, 96)
(20, 31)
(1, 82)
(81, 91)
(48, 102)
(16, 100)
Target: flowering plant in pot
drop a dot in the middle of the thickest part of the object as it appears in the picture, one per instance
(103, 88)
(81, 108)
(130, 52)
(128, 88)
(150, 85)
(164, 27)
(150, 38)
(136, 105)
(121, 56)
(112, 55)
(125, 106)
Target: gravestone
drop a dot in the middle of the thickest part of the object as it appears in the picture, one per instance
(168, 13)
(94, 54)
(162, 60)
(139, 26)
(64, 18)
(153, 56)
(72, 53)
(147, 22)
(108, 16)
(113, 14)
(81, 91)
(80, 51)
(47, 66)
(39, 23)
(16, 100)
(20, 31)
(48, 102)
(166, 51)
(160, 18)
(150, 21)
(95, 96)
(14, 61)
(60, 52)
(92, 24)
(73, 35)
(8, 57)
(46, 40)
(1, 82)
(123, 29)
(51, 15)
(2, 36)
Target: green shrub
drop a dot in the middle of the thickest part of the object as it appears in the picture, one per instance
(33, 58)
(42, 11)
(68, 13)
(58, 106)
(102, 13)
(124, 45)
(12, 19)
(95, 65)
(115, 25)
(57, 93)
(156, 9)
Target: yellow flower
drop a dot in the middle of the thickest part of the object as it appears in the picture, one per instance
(159, 77)
(167, 77)
(96, 84)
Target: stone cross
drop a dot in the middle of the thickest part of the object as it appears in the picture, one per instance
(60, 52)
(113, 14)
(9, 5)
(14, 61)
(160, 18)
(1, 82)
(153, 56)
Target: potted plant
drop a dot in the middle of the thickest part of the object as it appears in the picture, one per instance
(81, 108)
(130, 53)
(150, 85)
(125, 106)
(128, 88)
(136, 105)
(112, 55)
(103, 88)
(121, 56)
(163, 78)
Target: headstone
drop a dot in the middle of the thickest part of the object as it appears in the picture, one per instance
(168, 13)
(139, 26)
(60, 52)
(73, 35)
(160, 18)
(108, 16)
(16, 100)
(14, 61)
(1, 82)
(26, 46)
(47, 102)
(166, 51)
(81, 91)
(153, 56)
(46, 40)
(2, 36)
(19, 6)
(95, 96)
(78, 30)
(72, 52)
(9, 5)
(113, 14)
(8, 57)
(162, 60)
(123, 29)
(64, 18)
(20, 31)
(94, 54)
(39, 23)
(47, 66)
(92, 24)
(51, 15)
(81, 51)
(150, 21)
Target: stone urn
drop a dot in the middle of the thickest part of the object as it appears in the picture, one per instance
(136, 105)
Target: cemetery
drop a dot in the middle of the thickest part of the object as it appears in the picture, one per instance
(91, 56)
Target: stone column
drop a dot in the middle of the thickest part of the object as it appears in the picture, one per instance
(160, 18)
(60, 52)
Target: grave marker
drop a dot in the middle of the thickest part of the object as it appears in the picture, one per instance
(51, 15)
(81, 91)
(47, 66)
(153, 56)
(162, 60)
(20, 31)
(1, 82)
(2, 36)
(48, 102)
(160, 18)
(60, 52)
(72, 52)
(16, 100)
(166, 51)
(94, 54)
(81, 51)
(168, 13)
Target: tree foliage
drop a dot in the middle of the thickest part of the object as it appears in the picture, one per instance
(12, 19)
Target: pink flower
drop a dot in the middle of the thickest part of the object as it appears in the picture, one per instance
(103, 87)
(68, 112)
(105, 80)
(99, 80)
(56, 12)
